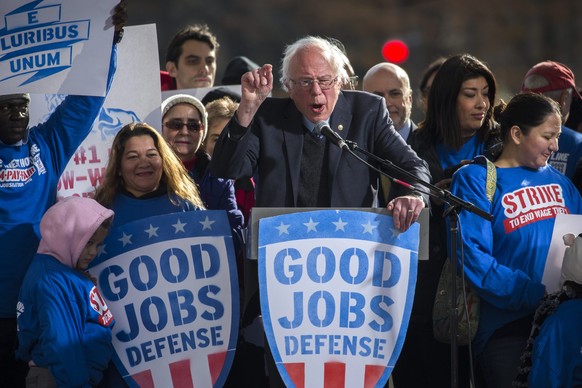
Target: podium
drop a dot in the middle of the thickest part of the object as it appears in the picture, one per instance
(344, 283)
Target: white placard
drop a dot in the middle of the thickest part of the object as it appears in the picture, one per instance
(55, 46)
(565, 223)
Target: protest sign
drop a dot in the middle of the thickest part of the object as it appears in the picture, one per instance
(171, 284)
(336, 293)
(55, 46)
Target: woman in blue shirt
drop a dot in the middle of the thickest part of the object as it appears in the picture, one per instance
(504, 259)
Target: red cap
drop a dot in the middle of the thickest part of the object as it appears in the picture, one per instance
(559, 77)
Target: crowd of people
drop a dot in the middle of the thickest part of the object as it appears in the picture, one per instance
(233, 151)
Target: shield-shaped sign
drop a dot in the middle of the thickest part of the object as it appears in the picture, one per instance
(336, 292)
(171, 284)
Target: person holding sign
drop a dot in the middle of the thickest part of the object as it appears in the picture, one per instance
(504, 259)
(144, 178)
(64, 325)
(32, 162)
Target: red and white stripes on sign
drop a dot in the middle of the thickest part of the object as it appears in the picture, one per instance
(181, 372)
(334, 374)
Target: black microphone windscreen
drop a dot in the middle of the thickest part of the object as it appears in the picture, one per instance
(319, 126)
(322, 128)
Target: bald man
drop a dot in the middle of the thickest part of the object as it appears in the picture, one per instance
(392, 83)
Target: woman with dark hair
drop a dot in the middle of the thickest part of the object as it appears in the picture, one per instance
(504, 259)
(461, 103)
(457, 127)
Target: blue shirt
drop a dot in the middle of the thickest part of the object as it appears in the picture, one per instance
(450, 157)
(29, 174)
(557, 352)
(505, 258)
(569, 152)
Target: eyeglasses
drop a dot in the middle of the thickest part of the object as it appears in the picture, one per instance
(176, 125)
(307, 83)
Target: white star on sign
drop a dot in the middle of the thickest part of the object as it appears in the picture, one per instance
(207, 224)
(339, 225)
(125, 239)
(152, 232)
(179, 226)
(368, 228)
(311, 226)
(283, 228)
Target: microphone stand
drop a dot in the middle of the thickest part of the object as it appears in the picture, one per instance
(456, 204)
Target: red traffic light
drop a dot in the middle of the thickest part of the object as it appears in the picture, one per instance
(395, 51)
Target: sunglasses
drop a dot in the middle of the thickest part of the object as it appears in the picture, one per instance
(176, 125)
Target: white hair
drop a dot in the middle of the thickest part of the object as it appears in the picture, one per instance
(334, 56)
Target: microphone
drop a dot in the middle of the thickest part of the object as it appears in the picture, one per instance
(322, 128)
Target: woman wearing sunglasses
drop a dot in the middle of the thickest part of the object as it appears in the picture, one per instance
(185, 124)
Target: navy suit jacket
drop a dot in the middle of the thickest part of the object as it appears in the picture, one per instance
(272, 145)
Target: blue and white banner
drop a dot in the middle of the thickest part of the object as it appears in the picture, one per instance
(336, 289)
(55, 46)
(171, 284)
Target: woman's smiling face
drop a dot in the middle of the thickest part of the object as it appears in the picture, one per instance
(535, 148)
(141, 165)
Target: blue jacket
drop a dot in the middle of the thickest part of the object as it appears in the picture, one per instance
(55, 315)
(505, 258)
(29, 175)
(557, 356)
(63, 322)
(218, 194)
